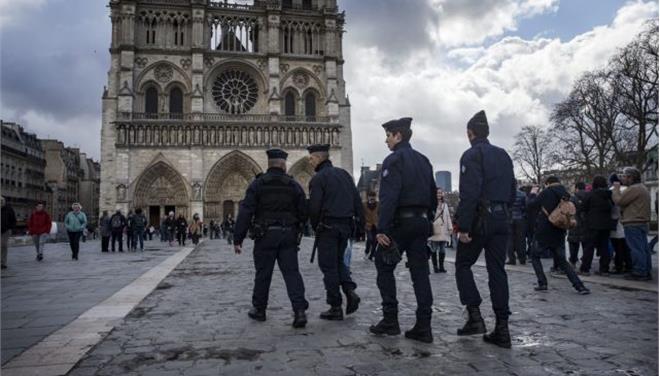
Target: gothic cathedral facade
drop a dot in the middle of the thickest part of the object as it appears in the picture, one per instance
(199, 89)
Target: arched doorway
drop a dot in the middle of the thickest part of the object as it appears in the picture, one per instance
(302, 172)
(226, 185)
(159, 190)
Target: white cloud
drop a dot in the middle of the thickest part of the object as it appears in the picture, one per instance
(515, 80)
(11, 11)
(460, 22)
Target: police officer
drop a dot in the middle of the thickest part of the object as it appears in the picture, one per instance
(407, 201)
(334, 209)
(487, 190)
(275, 204)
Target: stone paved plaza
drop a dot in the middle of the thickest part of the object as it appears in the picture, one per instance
(195, 323)
(40, 297)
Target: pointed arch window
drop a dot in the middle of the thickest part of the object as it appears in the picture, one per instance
(151, 101)
(310, 106)
(176, 102)
(307, 4)
(290, 104)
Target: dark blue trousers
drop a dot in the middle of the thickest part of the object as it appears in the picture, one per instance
(280, 246)
(494, 242)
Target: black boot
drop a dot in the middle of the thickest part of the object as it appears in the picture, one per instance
(257, 314)
(475, 323)
(421, 331)
(500, 336)
(352, 301)
(434, 261)
(388, 325)
(299, 319)
(334, 313)
(441, 263)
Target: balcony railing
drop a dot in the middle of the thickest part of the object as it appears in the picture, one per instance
(218, 117)
(258, 135)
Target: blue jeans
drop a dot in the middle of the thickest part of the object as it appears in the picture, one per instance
(138, 236)
(348, 253)
(637, 240)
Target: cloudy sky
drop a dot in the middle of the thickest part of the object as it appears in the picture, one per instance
(438, 61)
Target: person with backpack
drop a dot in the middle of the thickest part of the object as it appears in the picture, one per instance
(117, 223)
(598, 214)
(556, 215)
(578, 235)
(39, 227)
(75, 222)
(138, 225)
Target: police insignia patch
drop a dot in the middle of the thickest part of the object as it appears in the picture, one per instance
(462, 169)
(385, 173)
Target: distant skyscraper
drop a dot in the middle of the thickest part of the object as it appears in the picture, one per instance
(443, 180)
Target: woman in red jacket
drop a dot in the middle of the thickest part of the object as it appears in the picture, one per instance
(39, 227)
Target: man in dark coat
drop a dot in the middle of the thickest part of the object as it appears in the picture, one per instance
(8, 224)
(487, 189)
(407, 202)
(598, 212)
(275, 203)
(334, 207)
(549, 236)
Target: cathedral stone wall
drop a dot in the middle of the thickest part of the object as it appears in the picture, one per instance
(199, 89)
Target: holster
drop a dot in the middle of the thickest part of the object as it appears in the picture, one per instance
(390, 255)
(479, 223)
(256, 231)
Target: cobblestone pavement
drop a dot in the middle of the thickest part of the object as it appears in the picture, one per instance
(39, 298)
(195, 323)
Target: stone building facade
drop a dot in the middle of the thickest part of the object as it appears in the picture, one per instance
(23, 163)
(63, 175)
(369, 181)
(89, 188)
(198, 90)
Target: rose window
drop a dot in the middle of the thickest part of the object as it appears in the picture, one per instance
(235, 92)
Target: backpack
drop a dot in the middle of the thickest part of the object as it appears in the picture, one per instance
(562, 216)
(139, 221)
(115, 222)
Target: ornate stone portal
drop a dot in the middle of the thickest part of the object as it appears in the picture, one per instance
(197, 91)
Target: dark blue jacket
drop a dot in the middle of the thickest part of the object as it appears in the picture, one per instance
(249, 206)
(406, 182)
(547, 234)
(333, 194)
(486, 172)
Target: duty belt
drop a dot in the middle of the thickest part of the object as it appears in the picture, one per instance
(498, 206)
(278, 228)
(411, 213)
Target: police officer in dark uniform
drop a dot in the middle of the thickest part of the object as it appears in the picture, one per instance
(487, 190)
(275, 206)
(335, 210)
(407, 201)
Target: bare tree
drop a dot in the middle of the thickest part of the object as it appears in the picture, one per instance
(531, 152)
(634, 76)
(585, 125)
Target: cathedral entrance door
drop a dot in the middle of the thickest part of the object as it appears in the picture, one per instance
(154, 216)
(228, 209)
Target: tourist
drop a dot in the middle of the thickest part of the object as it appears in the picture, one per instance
(170, 228)
(129, 231)
(370, 209)
(117, 224)
(75, 222)
(138, 224)
(549, 236)
(181, 229)
(105, 228)
(442, 229)
(622, 260)
(8, 223)
(598, 214)
(195, 229)
(516, 241)
(635, 202)
(38, 226)
(577, 236)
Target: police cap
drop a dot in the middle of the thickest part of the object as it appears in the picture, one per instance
(318, 148)
(479, 124)
(277, 154)
(397, 125)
